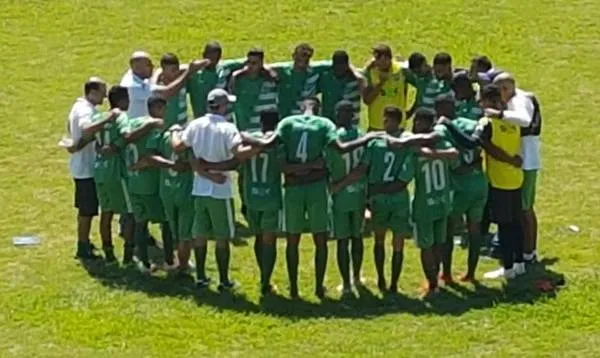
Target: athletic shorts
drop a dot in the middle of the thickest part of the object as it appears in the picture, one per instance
(180, 217)
(147, 208)
(430, 233)
(303, 202)
(470, 203)
(393, 215)
(114, 197)
(528, 189)
(213, 218)
(505, 206)
(347, 224)
(86, 198)
(261, 221)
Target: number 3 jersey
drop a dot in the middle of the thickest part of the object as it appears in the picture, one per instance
(432, 199)
(174, 185)
(262, 179)
(109, 167)
(351, 197)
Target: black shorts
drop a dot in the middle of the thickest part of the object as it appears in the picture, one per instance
(86, 199)
(505, 206)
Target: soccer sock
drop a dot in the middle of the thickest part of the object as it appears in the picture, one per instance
(141, 241)
(320, 264)
(269, 255)
(258, 247)
(379, 255)
(200, 256)
(291, 257)
(447, 249)
(474, 250)
(397, 259)
(222, 254)
(357, 256)
(428, 263)
(167, 237)
(343, 260)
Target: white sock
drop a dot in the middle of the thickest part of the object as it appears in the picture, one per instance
(528, 257)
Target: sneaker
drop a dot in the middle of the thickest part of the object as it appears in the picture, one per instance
(494, 274)
(227, 286)
(530, 259)
(510, 274)
(519, 268)
(202, 283)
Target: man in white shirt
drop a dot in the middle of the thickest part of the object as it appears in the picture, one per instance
(213, 139)
(82, 163)
(137, 82)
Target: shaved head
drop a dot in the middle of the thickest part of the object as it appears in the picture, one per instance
(506, 83)
(504, 77)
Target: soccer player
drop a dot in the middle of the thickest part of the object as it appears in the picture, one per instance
(440, 82)
(212, 138)
(388, 196)
(419, 74)
(341, 83)
(262, 193)
(469, 185)
(432, 202)
(502, 143)
(303, 138)
(142, 136)
(348, 202)
(467, 105)
(298, 80)
(215, 75)
(82, 163)
(109, 172)
(386, 85)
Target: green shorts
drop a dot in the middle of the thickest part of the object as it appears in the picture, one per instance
(180, 217)
(147, 208)
(391, 212)
(114, 197)
(261, 221)
(347, 224)
(213, 218)
(306, 201)
(431, 233)
(528, 188)
(470, 203)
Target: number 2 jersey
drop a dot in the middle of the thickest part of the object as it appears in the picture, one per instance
(262, 180)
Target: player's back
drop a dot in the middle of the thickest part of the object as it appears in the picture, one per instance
(304, 137)
(174, 184)
(109, 167)
(384, 162)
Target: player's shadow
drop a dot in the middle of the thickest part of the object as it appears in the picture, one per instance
(455, 299)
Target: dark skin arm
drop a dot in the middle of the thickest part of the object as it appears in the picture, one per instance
(355, 175)
(501, 155)
(224, 166)
(345, 147)
(388, 188)
(81, 143)
(258, 141)
(449, 154)
(421, 139)
(144, 129)
(92, 128)
(173, 88)
(157, 161)
(311, 177)
(299, 169)
(467, 168)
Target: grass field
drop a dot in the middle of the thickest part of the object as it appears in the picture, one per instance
(51, 306)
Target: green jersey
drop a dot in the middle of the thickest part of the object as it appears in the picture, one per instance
(294, 85)
(305, 137)
(469, 108)
(433, 88)
(145, 181)
(177, 186)
(351, 197)
(385, 164)
(419, 83)
(335, 89)
(254, 95)
(226, 69)
(476, 178)
(262, 180)
(432, 185)
(205, 80)
(109, 167)
(176, 111)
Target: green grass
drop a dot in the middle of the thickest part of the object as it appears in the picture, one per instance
(51, 306)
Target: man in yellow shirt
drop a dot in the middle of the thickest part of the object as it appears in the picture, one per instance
(386, 86)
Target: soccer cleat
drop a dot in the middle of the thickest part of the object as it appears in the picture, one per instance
(393, 289)
(494, 274)
(428, 292)
(267, 289)
(446, 279)
(381, 284)
(320, 292)
(109, 255)
(227, 286)
(519, 268)
(203, 283)
(144, 268)
(85, 252)
(509, 274)
(465, 277)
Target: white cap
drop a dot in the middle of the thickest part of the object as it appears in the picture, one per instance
(139, 54)
(95, 79)
(220, 96)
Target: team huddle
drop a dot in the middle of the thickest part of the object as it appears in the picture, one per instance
(291, 131)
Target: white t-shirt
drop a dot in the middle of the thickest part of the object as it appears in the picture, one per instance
(530, 145)
(139, 91)
(82, 162)
(212, 138)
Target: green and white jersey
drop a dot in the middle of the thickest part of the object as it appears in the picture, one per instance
(385, 164)
(176, 111)
(432, 199)
(352, 197)
(433, 88)
(304, 137)
(469, 109)
(110, 167)
(262, 180)
(226, 69)
(419, 83)
(177, 186)
(142, 182)
(476, 179)
(294, 85)
(254, 95)
(335, 89)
